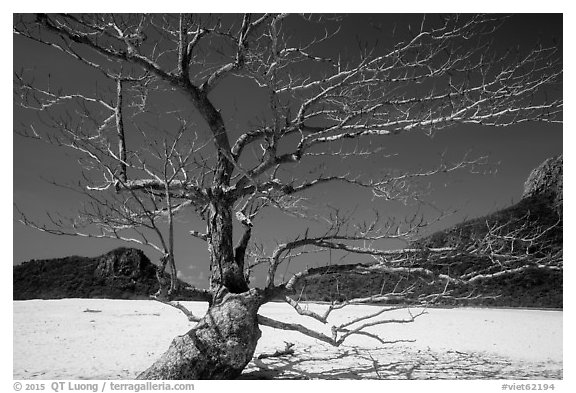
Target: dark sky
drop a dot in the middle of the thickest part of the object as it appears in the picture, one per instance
(513, 152)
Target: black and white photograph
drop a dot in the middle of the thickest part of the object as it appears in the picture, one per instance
(372, 196)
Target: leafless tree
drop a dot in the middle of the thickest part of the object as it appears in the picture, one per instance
(443, 73)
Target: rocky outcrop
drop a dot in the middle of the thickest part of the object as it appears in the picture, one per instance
(124, 262)
(545, 181)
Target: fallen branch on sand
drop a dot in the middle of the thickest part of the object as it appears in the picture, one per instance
(286, 351)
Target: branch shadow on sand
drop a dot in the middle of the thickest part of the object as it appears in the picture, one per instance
(395, 363)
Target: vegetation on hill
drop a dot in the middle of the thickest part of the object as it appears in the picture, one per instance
(123, 273)
(533, 288)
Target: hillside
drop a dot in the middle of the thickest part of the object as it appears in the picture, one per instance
(520, 239)
(123, 273)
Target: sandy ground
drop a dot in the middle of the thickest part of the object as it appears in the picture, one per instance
(116, 339)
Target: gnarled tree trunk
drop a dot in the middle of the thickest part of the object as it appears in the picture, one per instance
(218, 347)
(223, 342)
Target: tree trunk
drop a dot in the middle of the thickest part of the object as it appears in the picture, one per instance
(218, 347)
(225, 269)
(223, 342)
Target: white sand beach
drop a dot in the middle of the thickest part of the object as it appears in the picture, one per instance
(116, 339)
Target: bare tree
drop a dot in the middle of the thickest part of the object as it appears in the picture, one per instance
(317, 107)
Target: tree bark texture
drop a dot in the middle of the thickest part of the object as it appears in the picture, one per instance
(225, 270)
(218, 347)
